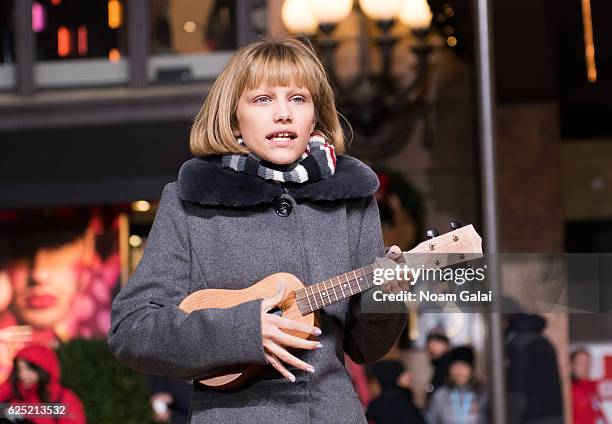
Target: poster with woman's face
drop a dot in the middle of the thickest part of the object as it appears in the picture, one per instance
(58, 271)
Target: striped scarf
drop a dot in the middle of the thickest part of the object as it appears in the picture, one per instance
(316, 163)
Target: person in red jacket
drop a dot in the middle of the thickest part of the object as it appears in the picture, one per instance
(35, 383)
(585, 399)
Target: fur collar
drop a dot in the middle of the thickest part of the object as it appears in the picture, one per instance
(205, 182)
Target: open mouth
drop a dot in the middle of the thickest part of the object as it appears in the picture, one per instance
(281, 136)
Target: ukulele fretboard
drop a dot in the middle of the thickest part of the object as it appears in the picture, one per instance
(317, 296)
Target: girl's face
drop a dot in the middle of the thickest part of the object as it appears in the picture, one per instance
(276, 122)
(26, 375)
(460, 373)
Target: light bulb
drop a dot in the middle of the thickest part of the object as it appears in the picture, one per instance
(380, 10)
(416, 14)
(330, 11)
(298, 18)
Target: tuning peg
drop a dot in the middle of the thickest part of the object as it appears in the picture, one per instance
(432, 232)
(456, 225)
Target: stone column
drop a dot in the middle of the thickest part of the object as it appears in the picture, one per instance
(531, 207)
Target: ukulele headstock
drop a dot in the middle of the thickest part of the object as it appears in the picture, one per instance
(463, 244)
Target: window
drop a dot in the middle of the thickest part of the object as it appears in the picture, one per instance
(79, 43)
(7, 46)
(193, 39)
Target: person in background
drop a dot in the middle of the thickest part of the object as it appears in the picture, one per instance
(586, 402)
(534, 388)
(170, 399)
(359, 379)
(461, 400)
(438, 348)
(390, 388)
(35, 380)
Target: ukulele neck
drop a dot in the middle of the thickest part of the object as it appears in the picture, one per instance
(317, 296)
(458, 246)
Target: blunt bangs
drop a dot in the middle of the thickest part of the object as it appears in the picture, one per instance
(280, 65)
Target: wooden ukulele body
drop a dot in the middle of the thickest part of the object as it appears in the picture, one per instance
(235, 375)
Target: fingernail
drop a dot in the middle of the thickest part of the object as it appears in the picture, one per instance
(317, 331)
(292, 378)
(310, 369)
(319, 345)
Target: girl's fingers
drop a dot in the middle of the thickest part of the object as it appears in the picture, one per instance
(386, 287)
(278, 366)
(289, 324)
(270, 302)
(288, 340)
(394, 252)
(394, 286)
(282, 354)
(404, 284)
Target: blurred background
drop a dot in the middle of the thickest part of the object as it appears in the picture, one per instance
(96, 102)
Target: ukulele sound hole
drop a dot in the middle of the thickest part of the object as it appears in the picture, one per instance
(276, 311)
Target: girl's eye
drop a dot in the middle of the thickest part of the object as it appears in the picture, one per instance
(300, 99)
(258, 100)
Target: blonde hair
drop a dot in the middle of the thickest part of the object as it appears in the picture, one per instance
(269, 62)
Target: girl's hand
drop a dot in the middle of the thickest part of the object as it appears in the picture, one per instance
(390, 261)
(275, 340)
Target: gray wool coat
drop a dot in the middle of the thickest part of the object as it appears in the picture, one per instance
(216, 228)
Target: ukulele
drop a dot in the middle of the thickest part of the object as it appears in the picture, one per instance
(301, 302)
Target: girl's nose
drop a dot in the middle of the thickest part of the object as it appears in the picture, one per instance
(282, 117)
(282, 114)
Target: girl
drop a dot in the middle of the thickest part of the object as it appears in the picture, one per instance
(461, 400)
(35, 382)
(264, 194)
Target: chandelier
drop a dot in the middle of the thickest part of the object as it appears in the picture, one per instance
(382, 109)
